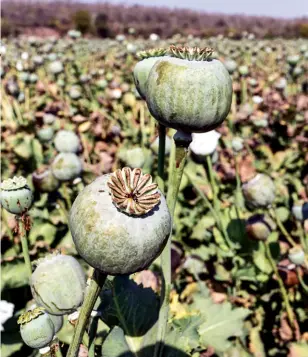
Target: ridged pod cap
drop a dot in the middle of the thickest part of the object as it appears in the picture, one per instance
(120, 223)
(16, 196)
(189, 91)
(259, 192)
(66, 166)
(58, 284)
(36, 328)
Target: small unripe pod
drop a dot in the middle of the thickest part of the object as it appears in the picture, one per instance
(36, 328)
(56, 67)
(259, 192)
(67, 141)
(58, 284)
(300, 212)
(16, 196)
(57, 322)
(44, 180)
(66, 166)
(296, 255)
(45, 134)
(259, 227)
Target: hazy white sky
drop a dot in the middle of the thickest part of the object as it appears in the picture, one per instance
(277, 8)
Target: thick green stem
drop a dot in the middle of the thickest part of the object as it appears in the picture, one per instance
(96, 284)
(182, 141)
(283, 290)
(274, 214)
(161, 156)
(24, 245)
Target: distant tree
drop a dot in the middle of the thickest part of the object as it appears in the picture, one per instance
(101, 25)
(303, 30)
(82, 20)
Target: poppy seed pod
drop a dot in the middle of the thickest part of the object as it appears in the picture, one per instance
(36, 328)
(16, 196)
(259, 227)
(45, 134)
(58, 284)
(300, 211)
(189, 91)
(57, 322)
(44, 180)
(259, 192)
(66, 166)
(296, 255)
(67, 141)
(55, 67)
(144, 66)
(120, 222)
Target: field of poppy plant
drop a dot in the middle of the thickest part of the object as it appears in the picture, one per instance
(154, 196)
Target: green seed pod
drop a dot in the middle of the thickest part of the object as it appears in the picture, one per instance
(49, 118)
(297, 255)
(259, 192)
(300, 211)
(189, 92)
(120, 222)
(293, 60)
(66, 166)
(45, 134)
(132, 157)
(75, 92)
(244, 71)
(67, 141)
(33, 78)
(231, 66)
(16, 196)
(36, 328)
(237, 144)
(44, 180)
(259, 227)
(57, 322)
(143, 68)
(58, 284)
(55, 67)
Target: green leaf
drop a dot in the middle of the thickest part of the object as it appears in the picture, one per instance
(37, 152)
(183, 333)
(65, 335)
(222, 323)
(260, 260)
(14, 274)
(42, 231)
(115, 344)
(199, 231)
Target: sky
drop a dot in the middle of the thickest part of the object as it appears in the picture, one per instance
(276, 8)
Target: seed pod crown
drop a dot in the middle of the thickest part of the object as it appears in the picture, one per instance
(30, 315)
(191, 53)
(133, 192)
